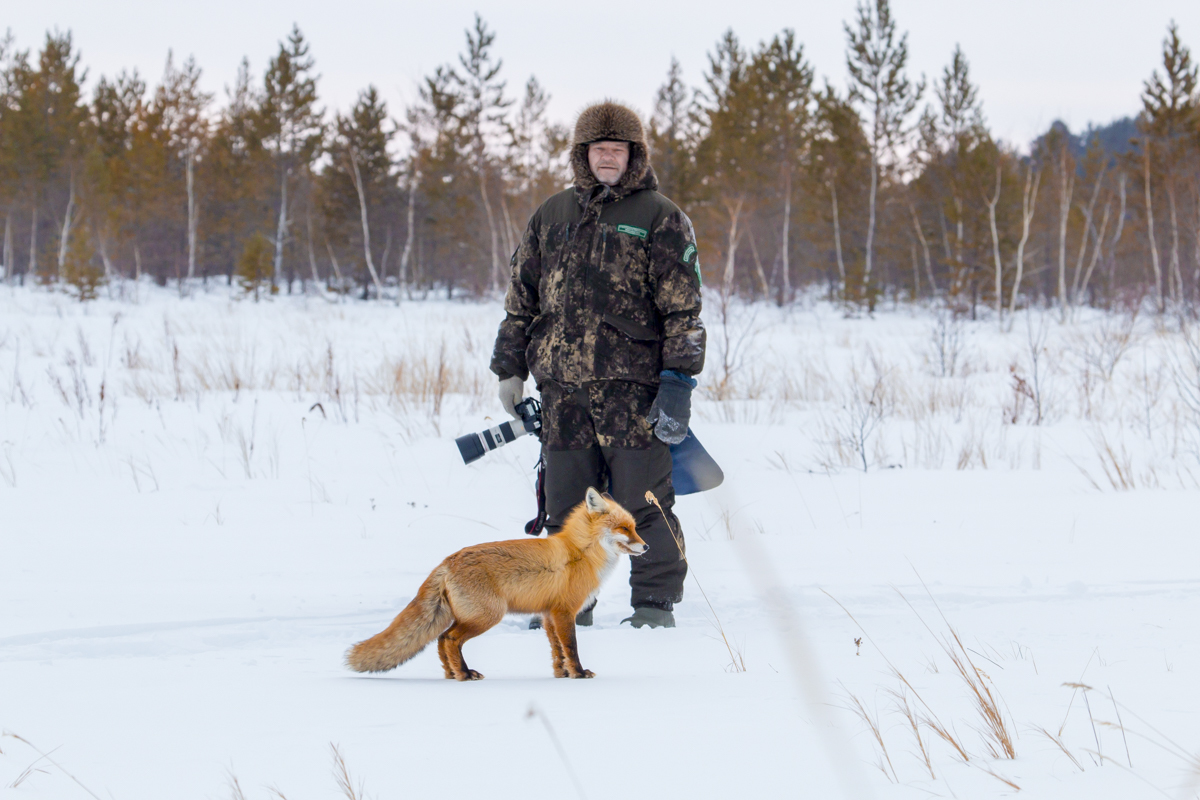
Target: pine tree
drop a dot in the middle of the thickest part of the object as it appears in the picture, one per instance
(1170, 120)
(361, 177)
(47, 131)
(181, 105)
(876, 60)
(537, 153)
(840, 165)
(729, 152)
(292, 127)
(782, 81)
(443, 157)
(240, 179)
(117, 111)
(81, 275)
(670, 136)
(482, 111)
(957, 176)
(254, 267)
(9, 178)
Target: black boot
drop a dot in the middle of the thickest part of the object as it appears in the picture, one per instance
(583, 618)
(651, 616)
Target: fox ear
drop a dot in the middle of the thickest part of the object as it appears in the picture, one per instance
(595, 503)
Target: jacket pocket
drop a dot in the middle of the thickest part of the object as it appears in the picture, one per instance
(538, 323)
(631, 328)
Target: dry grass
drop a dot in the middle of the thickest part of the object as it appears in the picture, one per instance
(536, 713)
(29, 771)
(341, 774)
(995, 731)
(767, 369)
(737, 658)
(857, 708)
(235, 788)
(1058, 741)
(867, 403)
(999, 777)
(997, 737)
(46, 757)
(1151, 734)
(914, 724)
(927, 717)
(8, 470)
(1118, 468)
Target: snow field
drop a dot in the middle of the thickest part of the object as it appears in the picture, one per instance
(203, 502)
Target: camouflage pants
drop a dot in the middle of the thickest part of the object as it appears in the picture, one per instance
(598, 436)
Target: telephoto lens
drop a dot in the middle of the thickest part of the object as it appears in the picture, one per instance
(474, 446)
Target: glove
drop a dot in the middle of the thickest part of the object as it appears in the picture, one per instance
(672, 408)
(512, 391)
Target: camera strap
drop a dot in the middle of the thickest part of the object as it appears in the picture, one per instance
(536, 525)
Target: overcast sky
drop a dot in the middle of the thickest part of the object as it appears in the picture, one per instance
(1034, 60)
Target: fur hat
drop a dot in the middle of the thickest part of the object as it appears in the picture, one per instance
(609, 121)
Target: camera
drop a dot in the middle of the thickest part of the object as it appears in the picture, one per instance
(474, 446)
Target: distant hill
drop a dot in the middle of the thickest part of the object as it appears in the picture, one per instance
(1115, 137)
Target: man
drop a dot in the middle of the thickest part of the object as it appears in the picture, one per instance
(603, 309)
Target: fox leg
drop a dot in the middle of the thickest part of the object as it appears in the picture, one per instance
(556, 651)
(564, 629)
(452, 642)
(445, 659)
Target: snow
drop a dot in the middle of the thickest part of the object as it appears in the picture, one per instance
(184, 562)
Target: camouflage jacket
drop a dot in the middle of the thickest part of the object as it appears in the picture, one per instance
(605, 286)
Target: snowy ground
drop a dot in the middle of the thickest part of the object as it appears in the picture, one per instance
(203, 502)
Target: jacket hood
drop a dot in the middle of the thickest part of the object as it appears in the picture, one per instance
(611, 121)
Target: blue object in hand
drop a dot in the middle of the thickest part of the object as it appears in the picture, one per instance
(692, 468)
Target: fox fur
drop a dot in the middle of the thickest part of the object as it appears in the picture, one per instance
(473, 589)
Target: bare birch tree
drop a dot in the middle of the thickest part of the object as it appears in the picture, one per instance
(292, 126)
(356, 173)
(991, 204)
(181, 105)
(1033, 177)
(1158, 282)
(1064, 168)
(360, 146)
(876, 61)
(1095, 162)
(64, 239)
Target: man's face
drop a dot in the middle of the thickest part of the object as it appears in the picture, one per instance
(608, 160)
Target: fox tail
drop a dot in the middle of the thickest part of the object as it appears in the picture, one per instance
(421, 621)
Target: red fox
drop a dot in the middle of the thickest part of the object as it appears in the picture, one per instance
(473, 589)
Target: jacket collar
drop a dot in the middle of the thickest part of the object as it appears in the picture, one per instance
(591, 191)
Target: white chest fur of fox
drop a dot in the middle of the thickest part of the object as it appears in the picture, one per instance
(473, 589)
(609, 542)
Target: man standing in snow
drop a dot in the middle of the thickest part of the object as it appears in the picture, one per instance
(603, 309)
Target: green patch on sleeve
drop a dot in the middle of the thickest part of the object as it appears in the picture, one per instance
(641, 233)
(689, 258)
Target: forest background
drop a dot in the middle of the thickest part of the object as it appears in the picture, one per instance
(889, 188)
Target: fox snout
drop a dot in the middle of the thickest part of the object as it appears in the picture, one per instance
(632, 548)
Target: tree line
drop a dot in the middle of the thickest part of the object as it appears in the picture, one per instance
(890, 187)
